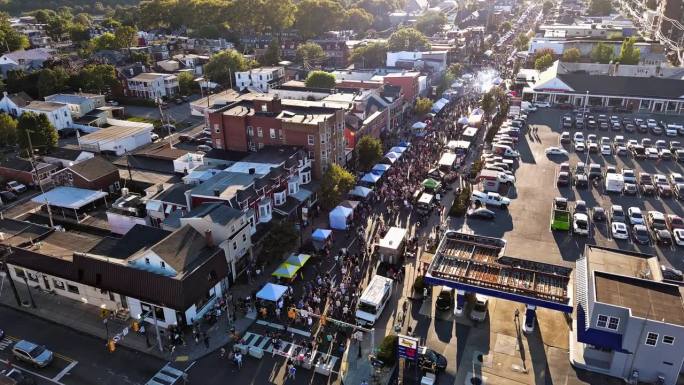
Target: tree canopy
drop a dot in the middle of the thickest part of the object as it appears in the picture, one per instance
(423, 106)
(281, 238)
(43, 134)
(371, 55)
(358, 19)
(186, 83)
(431, 22)
(313, 17)
(8, 130)
(547, 6)
(407, 39)
(600, 7)
(335, 183)
(310, 55)
(572, 55)
(222, 66)
(320, 79)
(543, 62)
(369, 152)
(602, 53)
(9, 37)
(521, 42)
(629, 54)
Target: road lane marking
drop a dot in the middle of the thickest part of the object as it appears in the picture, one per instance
(64, 371)
(65, 358)
(21, 368)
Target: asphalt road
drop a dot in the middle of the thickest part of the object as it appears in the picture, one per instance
(79, 359)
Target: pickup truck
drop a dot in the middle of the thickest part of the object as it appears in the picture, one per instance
(16, 187)
(490, 199)
(560, 217)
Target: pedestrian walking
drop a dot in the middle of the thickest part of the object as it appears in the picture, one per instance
(291, 372)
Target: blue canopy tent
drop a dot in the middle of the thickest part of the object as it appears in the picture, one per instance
(370, 178)
(404, 143)
(271, 292)
(360, 191)
(398, 149)
(438, 105)
(321, 234)
(393, 155)
(380, 168)
(339, 217)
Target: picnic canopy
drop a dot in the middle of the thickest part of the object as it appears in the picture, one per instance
(360, 191)
(431, 184)
(338, 217)
(370, 178)
(298, 259)
(419, 125)
(321, 234)
(285, 270)
(271, 292)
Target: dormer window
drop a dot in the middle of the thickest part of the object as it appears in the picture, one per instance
(147, 261)
(292, 187)
(163, 264)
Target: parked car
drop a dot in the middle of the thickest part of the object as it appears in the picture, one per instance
(32, 353)
(619, 230)
(663, 237)
(16, 187)
(552, 151)
(445, 299)
(581, 180)
(674, 222)
(630, 189)
(481, 213)
(431, 361)
(565, 137)
(678, 236)
(490, 198)
(563, 179)
(598, 214)
(7, 196)
(635, 216)
(479, 311)
(640, 234)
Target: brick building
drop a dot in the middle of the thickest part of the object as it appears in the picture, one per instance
(256, 121)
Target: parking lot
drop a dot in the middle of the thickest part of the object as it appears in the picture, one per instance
(59, 367)
(526, 224)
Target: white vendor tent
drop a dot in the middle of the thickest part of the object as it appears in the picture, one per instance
(339, 216)
(360, 191)
(271, 292)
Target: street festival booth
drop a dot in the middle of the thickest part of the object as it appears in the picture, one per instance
(475, 118)
(380, 168)
(431, 185)
(469, 133)
(391, 246)
(391, 157)
(339, 217)
(350, 204)
(398, 149)
(320, 238)
(298, 260)
(462, 121)
(370, 178)
(286, 271)
(271, 292)
(462, 146)
(439, 105)
(360, 192)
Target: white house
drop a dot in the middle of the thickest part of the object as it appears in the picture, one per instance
(27, 60)
(118, 139)
(57, 113)
(79, 104)
(11, 103)
(261, 79)
(153, 85)
(433, 60)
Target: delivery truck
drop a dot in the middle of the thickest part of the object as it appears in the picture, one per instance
(615, 183)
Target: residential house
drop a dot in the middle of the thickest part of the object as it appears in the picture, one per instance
(79, 104)
(152, 86)
(58, 114)
(12, 103)
(27, 172)
(337, 46)
(26, 60)
(409, 83)
(192, 61)
(260, 79)
(165, 199)
(178, 276)
(118, 139)
(95, 173)
(427, 61)
(65, 157)
(629, 322)
(228, 228)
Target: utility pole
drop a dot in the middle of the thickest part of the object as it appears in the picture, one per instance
(156, 328)
(35, 173)
(8, 251)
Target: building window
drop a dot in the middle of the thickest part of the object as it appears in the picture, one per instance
(19, 272)
(652, 339)
(273, 133)
(234, 245)
(613, 323)
(292, 188)
(310, 139)
(260, 132)
(668, 340)
(260, 146)
(147, 261)
(163, 264)
(244, 237)
(306, 177)
(250, 131)
(32, 277)
(58, 284)
(147, 312)
(322, 138)
(279, 198)
(72, 288)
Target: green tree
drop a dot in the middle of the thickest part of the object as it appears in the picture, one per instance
(43, 16)
(543, 52)
(111, 23)
(547, 6)
(320, 79)
(57, 27)
(602, 53)
(505, 27)
(21, 81)
(543, 62)
(186, 83)
(96, 78)
(488, 103)
(141, 57)
(105, 41)
(51, 81)
(9, 37)
(78, 33)
(369, 152)
(358, 19)
(314, 17)
(370, 55)
(43, 134)
(407, 39)
(423, 106)
(455, 69)
(335, 183)
(124, 36)
(83, 19)
(629, 54)
(272, 54)
(521, 42)
(431, 22)
(380, 9)
(278, 15)
(572, 55)
(310, 55)
(280, 239)
(223, 65)
(600, 7)
(8, 130)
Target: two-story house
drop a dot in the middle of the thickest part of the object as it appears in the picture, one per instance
(629, 322)
(26, 60)
(57, 113)
(152, 86)
(79, 104)
(260, 79)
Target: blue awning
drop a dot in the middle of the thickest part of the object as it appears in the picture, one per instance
(438, 105)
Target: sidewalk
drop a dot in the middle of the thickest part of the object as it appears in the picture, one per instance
(86, 319)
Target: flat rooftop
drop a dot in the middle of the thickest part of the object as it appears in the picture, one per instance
(628, 264)
(113, 133)
(646, 299)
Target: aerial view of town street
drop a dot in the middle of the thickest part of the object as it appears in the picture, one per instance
(341, 192)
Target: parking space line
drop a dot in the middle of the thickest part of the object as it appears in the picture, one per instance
(65, 358)
(21, 368)
(64, 371)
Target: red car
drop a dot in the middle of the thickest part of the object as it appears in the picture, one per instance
(674, 222)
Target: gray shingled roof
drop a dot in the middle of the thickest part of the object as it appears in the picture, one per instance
(625, 86)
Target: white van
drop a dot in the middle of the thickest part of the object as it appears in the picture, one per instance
(373, 300)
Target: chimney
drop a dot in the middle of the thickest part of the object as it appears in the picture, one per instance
(208, 238)
(252, 171)
(217, 192)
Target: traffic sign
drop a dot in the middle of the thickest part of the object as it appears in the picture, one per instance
(408, 347)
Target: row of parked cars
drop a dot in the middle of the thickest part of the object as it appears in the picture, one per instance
(589, 121)
(644, 149)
